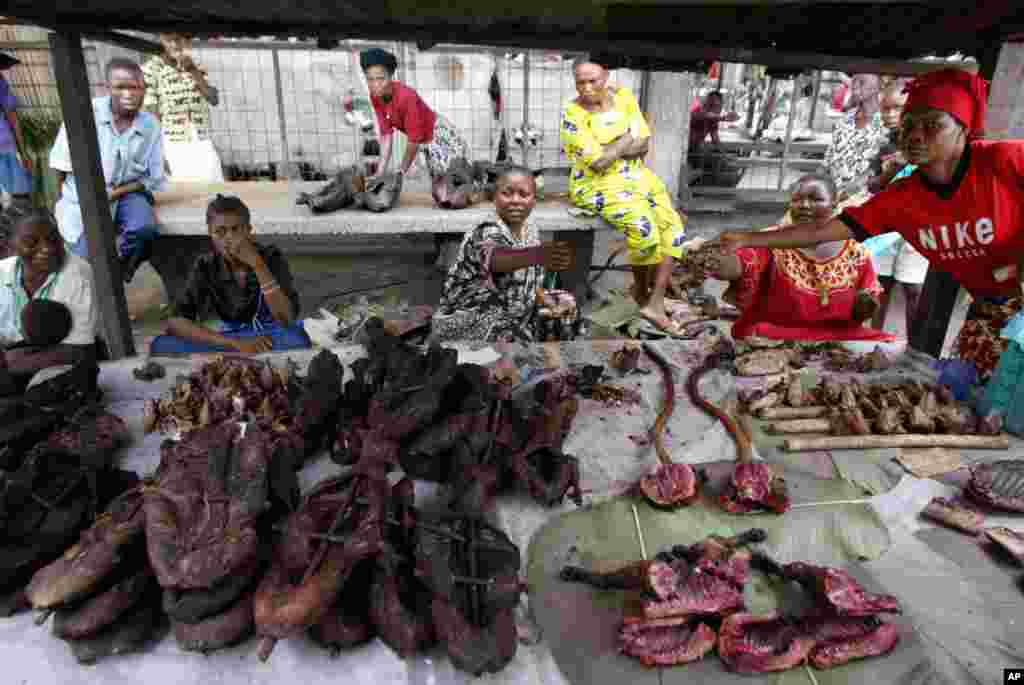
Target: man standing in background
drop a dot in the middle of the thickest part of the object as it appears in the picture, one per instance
(178, 93)
(705, 118)
(15, 175)
(130, 145)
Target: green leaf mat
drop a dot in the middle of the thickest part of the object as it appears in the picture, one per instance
(581, 623)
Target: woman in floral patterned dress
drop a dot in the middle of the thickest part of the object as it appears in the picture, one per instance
(825, 293)
(491, 289)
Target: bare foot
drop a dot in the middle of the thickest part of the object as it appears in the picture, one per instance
(638, 297)
(660, 320)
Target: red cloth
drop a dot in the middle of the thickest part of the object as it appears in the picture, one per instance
(974, 228)
(839, 96)
(407, 112)
(779, 298)
(959, 93)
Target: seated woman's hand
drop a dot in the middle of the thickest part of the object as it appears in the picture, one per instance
(613, 152)
(558, 256)
(253, 345)
(864, 306)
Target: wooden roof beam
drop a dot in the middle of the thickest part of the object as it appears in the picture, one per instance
(666, 56)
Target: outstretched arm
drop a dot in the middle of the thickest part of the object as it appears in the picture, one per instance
(797, 235)
(553, 256)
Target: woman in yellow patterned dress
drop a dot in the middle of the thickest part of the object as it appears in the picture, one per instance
(605, 136)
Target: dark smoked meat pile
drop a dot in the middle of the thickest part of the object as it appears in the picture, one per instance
(56, 447)
(449, 422)
(191, 544)
(217, 543)
(690, 599)
(357, 560)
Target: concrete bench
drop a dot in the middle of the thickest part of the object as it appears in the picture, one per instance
(181, 211)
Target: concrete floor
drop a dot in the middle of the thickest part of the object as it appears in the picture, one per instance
(394, 271)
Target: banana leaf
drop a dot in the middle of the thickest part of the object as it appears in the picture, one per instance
(39, 129)
(873, 471)
(581, 623)
(619, 311)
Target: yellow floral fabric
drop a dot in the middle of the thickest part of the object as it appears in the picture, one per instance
(627, 195)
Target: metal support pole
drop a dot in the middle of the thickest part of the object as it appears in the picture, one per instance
(753, 87)
(644, 99)
(76, 108)
(814, 102)
(281, 120)
(789, 135)
(526, 106)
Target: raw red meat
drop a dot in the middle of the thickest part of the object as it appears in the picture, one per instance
(724, 558)
(761, 644)
(842, 640)
(699, 594)
(667, 642)
(670, 485)
(755, 487)
(838, 592)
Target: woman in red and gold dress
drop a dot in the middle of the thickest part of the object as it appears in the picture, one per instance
(826, 292)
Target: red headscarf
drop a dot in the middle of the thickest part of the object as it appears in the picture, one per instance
(959, 93)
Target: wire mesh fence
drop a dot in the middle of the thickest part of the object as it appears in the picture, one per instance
(261, 81)
(283, 101)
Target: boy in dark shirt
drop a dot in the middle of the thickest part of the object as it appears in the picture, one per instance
(246, 285)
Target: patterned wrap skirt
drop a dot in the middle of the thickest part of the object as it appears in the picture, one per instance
(446, 146)
(978, 340)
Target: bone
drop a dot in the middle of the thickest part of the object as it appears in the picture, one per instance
(865, 442)
(766, 402)
(793, 412)
(798, 426)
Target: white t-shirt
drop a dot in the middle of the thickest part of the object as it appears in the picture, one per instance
(72, 286)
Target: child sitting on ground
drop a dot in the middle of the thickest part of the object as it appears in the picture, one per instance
(248, 286)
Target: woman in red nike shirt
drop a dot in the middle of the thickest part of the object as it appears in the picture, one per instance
(963, 209)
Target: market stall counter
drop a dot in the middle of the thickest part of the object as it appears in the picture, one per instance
(859, 511)
(181, 212)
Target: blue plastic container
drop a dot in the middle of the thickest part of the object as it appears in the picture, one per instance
(1005, 392)
(959, 376)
